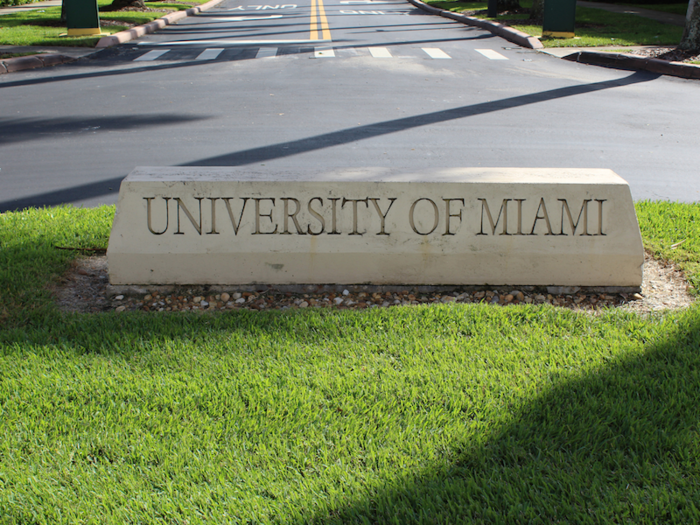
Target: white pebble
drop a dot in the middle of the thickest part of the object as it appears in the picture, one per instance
(120, 308)
(236, 296)
(240, 300)
(346, 292)
(338, 300)
(119, 298)
(203, 304)
(303, 304)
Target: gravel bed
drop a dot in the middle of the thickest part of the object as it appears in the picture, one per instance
(346, 299)
(85, 288)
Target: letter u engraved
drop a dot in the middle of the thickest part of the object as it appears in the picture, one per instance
(148, 215)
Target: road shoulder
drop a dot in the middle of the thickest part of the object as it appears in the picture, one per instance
(589, 56)
(52, 56)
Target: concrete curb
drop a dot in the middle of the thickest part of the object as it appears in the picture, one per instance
(632, 62)
(151, 27)
(510, 34)
(613, 60)
(10, 65)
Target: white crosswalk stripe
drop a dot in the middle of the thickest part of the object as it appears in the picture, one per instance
(380, 52)
(151, 55)
(319, 52)
(210, 54)
(434, 52)
(491, 54)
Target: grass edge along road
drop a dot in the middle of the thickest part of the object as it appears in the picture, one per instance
(435, 414)
(42, 26)
(594, 27)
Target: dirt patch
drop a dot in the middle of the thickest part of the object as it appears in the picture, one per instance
(84, 288)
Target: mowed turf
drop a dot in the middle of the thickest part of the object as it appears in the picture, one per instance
(430, 414)
(42, 26)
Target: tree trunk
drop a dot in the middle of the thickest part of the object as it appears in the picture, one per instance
(116, 5)
(537, 10)
(63, 11)
(508, 5)
(691, 35)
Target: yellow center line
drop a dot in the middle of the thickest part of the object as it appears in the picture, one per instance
(324, 21)
(313, 33)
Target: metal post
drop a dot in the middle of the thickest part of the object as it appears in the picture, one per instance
(492, 10)
(559, 18)
(82, 17)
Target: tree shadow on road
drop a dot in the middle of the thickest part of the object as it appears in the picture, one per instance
(340, 137)
(357, 133)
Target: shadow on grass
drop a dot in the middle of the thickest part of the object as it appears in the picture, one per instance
(620, 444)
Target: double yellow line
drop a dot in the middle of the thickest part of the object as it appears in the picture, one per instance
(318, 17)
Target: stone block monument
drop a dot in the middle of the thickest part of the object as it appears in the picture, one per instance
(456, 226)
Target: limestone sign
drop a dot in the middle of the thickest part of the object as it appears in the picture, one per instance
(443, 226)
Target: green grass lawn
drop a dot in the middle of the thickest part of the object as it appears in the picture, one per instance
(594, 27)
(429, 414)
(677, 9)
(41, 26)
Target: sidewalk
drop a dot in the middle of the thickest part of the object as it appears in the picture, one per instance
(41, 55)
(29, 7)
(600, 56)
(563, 52)
(73, 52)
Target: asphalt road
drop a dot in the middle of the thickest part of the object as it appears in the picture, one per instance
(335, 84)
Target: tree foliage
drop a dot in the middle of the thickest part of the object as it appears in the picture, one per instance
(508, 5)
(537, 9)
